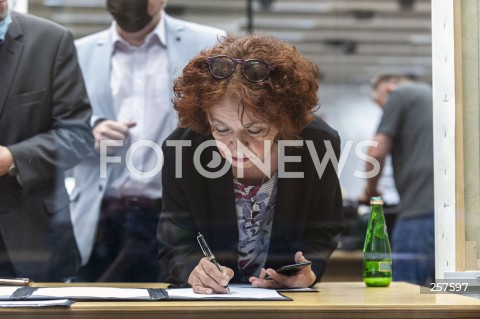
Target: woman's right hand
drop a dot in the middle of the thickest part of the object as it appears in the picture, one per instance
(207, 279)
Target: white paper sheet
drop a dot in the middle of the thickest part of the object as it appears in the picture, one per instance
(235, 293)
(92, 293)
(7, 291)
(36, 303)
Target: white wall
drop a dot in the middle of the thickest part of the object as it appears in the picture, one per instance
(443, 55)
(349, 109)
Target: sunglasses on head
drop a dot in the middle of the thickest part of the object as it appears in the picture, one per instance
(223, 66)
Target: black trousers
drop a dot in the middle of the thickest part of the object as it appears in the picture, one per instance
(126, 247)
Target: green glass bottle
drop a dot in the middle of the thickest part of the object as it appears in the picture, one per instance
(377, 255)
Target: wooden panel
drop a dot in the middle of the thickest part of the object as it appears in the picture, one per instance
(470, 255)
(471, 118)
(467, 133)
(459, 152)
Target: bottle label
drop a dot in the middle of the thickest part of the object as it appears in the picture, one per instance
(385, 266)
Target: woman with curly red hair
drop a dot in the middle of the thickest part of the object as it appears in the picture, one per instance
(242, 169)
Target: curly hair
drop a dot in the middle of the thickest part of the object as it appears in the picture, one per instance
(286, 99)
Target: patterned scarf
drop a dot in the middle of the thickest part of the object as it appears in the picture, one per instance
(255, 206)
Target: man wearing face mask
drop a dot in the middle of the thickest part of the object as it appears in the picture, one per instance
(129, 70)
(44, 130)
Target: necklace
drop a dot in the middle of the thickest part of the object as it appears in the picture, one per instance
(254, 203)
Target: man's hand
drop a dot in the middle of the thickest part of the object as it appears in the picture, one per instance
(207, 279)
(111, 130)
(6, 160)
(304, 278)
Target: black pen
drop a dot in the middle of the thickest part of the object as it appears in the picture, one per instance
(208, 253)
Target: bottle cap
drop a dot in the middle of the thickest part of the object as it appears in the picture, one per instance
(376, 200)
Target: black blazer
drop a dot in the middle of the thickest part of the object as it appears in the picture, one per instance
(44, 121)
(308, 211)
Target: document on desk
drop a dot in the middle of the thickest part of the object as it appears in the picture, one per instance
(144, 294)
(36, 303)
(6, 301)
(88, 293)
(236, 293)
(7, 291)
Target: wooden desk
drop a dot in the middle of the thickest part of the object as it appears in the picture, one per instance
(334, 300)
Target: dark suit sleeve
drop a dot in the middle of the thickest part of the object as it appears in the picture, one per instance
(69, 139)
(178, 250)
(325, 220)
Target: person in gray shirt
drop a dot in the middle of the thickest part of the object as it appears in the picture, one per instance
(406, 132)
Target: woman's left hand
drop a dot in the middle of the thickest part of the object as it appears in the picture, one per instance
(304, 278)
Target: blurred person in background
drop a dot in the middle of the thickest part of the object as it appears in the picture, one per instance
(129, 69)
(406, 132)
(44, 125)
